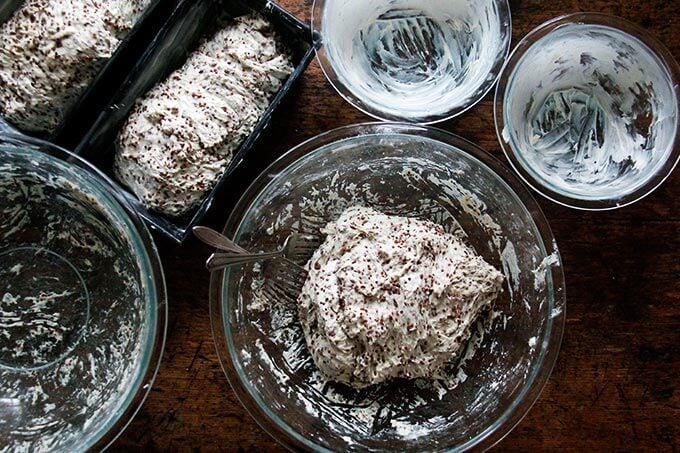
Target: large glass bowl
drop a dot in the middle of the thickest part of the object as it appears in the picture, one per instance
(587, 111)
(82, 303)
(407, 170)
(421, 61)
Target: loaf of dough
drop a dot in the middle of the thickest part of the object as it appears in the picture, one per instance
(51, 50)
(389, 296)
(181, 136)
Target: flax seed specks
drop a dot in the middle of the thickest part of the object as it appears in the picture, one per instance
(181, 136)
(51, 50)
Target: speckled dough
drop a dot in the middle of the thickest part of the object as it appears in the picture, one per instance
(181, 136)
(391, 296)
(51, 50)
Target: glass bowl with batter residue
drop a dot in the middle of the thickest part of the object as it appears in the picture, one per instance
(82, 303)
(412, 171)
(587, 111)
(421, 61)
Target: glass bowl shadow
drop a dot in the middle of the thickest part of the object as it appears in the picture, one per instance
(408, 62)
(587, 111)
(82, 302)
(405, 170)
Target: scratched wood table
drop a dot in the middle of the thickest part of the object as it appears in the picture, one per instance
(616, 382)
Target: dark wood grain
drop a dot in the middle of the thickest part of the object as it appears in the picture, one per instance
(615, 385)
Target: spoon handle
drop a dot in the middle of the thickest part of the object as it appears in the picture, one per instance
(217, 240)
(222, 260)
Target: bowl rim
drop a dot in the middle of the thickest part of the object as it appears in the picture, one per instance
(154, 280)
(658, 50)
(344, 91)
(550, 346)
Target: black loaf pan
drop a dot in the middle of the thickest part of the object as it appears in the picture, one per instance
(80, 117)
(190, 22)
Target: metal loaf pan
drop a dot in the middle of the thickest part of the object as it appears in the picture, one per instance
(80, 117)
(7, 8)
(190, 22)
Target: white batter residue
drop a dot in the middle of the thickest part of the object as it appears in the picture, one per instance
(541, 271)
(592, 111)
(181, 136)
(52, 49)
(391, 296)
(74, 320)
(417, 59)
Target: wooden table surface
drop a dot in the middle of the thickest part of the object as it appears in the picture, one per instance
(615, 385)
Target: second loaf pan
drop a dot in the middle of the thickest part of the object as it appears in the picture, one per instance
(190, 22)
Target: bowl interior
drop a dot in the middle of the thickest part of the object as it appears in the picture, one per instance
(78, 304)
(590, 111)
(413, 60)
(404, 174)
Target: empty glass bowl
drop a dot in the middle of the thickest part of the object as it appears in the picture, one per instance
(587, 111)
(82, 303)
(405, 170)
(420, 61)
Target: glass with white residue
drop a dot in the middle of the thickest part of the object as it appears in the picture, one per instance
(82, 302)
(421, 61)
(587, 111)
(409, 171)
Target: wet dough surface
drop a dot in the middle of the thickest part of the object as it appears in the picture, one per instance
(391, 296)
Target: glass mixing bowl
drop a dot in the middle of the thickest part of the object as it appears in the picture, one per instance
(421, 61)
(82, 303)
(587, 111)
(407, 170)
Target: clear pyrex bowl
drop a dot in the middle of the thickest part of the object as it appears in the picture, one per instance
(587, 111)
(407, 170)
(82, 303)
(421, 61)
